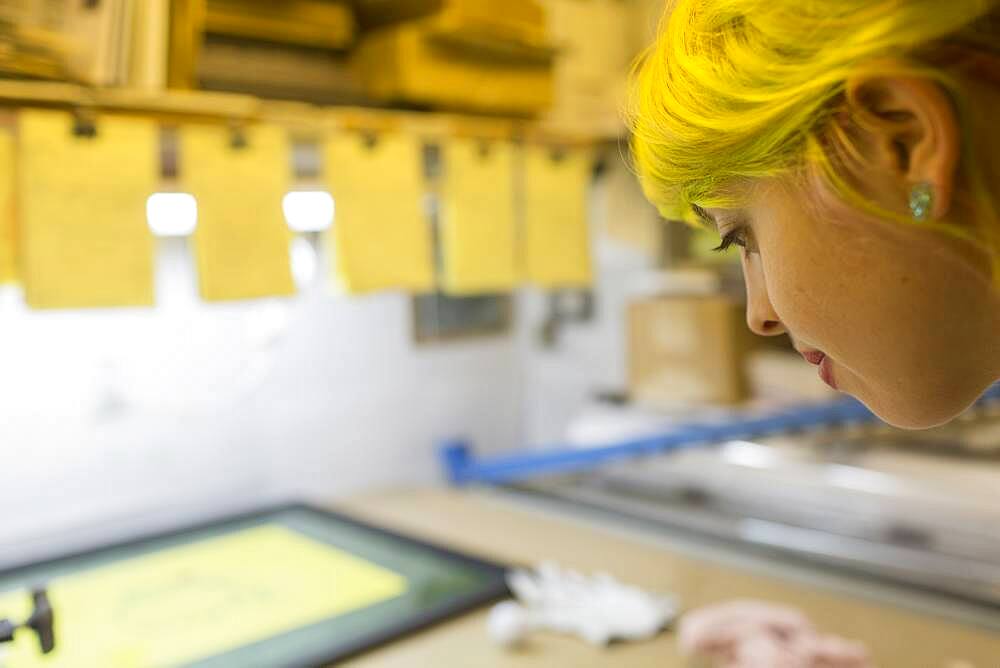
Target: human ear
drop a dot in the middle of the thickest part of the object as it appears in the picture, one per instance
(913, 127)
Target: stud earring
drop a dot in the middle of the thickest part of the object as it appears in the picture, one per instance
(921, 201)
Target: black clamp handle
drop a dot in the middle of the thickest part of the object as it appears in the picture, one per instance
(41, 621)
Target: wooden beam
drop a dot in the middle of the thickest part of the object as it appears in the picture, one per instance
(306, 118)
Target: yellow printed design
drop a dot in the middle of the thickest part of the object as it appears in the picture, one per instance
(82, 210)
(380, 232)
(556, 238)
(199, 600)
(8, 225)
(242, 241)
(478, 225)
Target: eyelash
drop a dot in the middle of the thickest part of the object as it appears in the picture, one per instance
(736, 237)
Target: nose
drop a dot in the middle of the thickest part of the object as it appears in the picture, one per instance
(761, 316)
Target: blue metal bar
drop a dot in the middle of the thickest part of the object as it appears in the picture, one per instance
(462, 467)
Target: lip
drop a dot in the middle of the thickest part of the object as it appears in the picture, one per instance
(813, 356)
(823, 362)
(826, 372)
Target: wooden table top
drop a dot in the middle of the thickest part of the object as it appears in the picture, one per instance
(486, 526)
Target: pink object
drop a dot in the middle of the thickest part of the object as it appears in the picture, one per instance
(755, 634)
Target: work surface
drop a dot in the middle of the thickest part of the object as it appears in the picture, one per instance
(491, 527)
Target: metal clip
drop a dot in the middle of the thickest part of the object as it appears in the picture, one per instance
(369, 139)
(237, 137)
(84, 123)
(484, 148)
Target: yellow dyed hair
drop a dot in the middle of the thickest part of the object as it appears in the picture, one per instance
(736, 90)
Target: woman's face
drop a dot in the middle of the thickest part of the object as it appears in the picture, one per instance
(902, 318)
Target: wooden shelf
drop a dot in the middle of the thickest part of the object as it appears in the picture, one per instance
(182, 103)
(233, 108)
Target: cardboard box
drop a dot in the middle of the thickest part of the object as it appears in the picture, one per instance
(278, 71)
(320, 24)
(687, 349)
(526, 17)
(597, 41)
(312, 31)
(459, 60)
(60, 39)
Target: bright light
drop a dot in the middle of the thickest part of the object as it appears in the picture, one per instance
(862, 480)
(304, 262)
(171, 214)
(308, 210)
(752, 455)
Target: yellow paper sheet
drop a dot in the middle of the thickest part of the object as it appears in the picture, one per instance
(555, 236)
(242, 240)
(8, 229)
(478, 226)
(84, 239)
(380, 232)
(191, 602)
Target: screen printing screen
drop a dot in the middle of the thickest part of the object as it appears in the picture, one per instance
(286, 587)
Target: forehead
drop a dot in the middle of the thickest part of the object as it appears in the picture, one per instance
(729, 200)
(741, 200)
(713, 217)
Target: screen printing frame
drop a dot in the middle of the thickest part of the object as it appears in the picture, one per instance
(494, 590)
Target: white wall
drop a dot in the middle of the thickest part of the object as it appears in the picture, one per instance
(148, 413)
(111, 415)
(590, 356)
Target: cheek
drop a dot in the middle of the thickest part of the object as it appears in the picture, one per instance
(904, 320)
(805, 278)
(856, 292)
(819, 273)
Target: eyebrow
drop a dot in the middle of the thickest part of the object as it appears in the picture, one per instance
(705, 217)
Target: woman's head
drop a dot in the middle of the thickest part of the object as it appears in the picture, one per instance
(809, 131)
